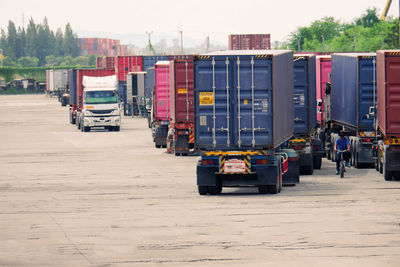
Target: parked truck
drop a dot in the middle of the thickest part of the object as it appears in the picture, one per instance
(100, 107)
(387, 148)
(352, 96)
(305, 120)
(182, 106)
(161, 103)
(135, 88)
(243, 117)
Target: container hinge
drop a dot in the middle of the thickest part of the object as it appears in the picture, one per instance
(222, 129)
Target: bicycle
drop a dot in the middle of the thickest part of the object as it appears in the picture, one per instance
(342, 168)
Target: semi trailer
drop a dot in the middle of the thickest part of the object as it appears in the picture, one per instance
(244, 117)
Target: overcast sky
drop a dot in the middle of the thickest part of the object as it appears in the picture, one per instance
(216, 18)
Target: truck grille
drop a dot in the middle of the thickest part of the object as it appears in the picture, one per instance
(101, 112)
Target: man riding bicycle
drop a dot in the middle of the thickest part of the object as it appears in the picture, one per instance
(342, 144)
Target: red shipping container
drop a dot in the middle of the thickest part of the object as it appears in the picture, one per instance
(249, 41)
(99, 63)
(91, 73)
(125, 64)
(388, 90)
(182, 92)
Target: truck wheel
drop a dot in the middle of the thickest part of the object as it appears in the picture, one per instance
(117, 128)
(328, 154)
(377, 164)
(203, 190)
(273, 189)
(215, 190)
(387, 175)
(262, 189)
(356, 164)
(380, 165)
(317, 162)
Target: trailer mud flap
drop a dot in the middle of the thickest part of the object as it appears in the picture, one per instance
(267, 176)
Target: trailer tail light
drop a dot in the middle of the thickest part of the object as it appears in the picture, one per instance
(261, 162)
(207, 162)
(183, 132)
(366, 140)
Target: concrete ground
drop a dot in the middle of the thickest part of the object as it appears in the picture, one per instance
(69, 198)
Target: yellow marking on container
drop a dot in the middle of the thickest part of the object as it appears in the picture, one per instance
(206, 98)
(182, 90)
(245, 101)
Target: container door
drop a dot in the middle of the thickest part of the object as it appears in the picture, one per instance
(300, 95)
(213, 103)
(162, 92)
(393, 95)
(251, 103)
(366, 87)
(184, 92)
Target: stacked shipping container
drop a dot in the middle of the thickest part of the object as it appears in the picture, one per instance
(249, 41)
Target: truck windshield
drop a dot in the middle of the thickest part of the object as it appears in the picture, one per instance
(101, 97)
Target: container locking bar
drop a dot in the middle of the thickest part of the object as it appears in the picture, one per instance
(228, 142)
(187, 92)
(238, 88)
(253, 141)
(213, 88)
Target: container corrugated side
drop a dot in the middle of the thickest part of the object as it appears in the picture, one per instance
(353, 90)
(72, 86)
(182, 91)
(126, 64)
(162, 91)
(304, 94)
(323, 66)
(231, 87)
(388, 79)
(91, 73)
(149, 84)
(150, 61)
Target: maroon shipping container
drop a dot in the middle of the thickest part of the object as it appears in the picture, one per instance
(182, 95)
(99, 63)
(182, 104)
(249, 41)
(388, 82)
(125, 64)
(91, 73)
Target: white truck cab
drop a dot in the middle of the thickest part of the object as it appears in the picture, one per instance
(100, 104)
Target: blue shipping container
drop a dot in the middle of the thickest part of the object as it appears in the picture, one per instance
(149, 84)
(353, 85)
(150, 61)
(243, 99)
(72, 86)
(305, 110)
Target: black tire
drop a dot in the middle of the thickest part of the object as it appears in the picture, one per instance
(86, 129)
(387, 175)
(328, 154)
(377, 165)
(117, 128)
(356, 164)
(215, 190)
(203, 190)
(380, 167)
(317, 162)
(157, 146)
(341, 171)
(262, 189)
(273, 189)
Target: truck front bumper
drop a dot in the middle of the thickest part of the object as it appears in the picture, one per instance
(99, 121)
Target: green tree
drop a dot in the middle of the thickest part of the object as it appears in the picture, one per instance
(31, 39)
(20, 49)
(92, 60)
(58, 43)
(12, 40)
(45, 41)
(28, 61)
(70, 42)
